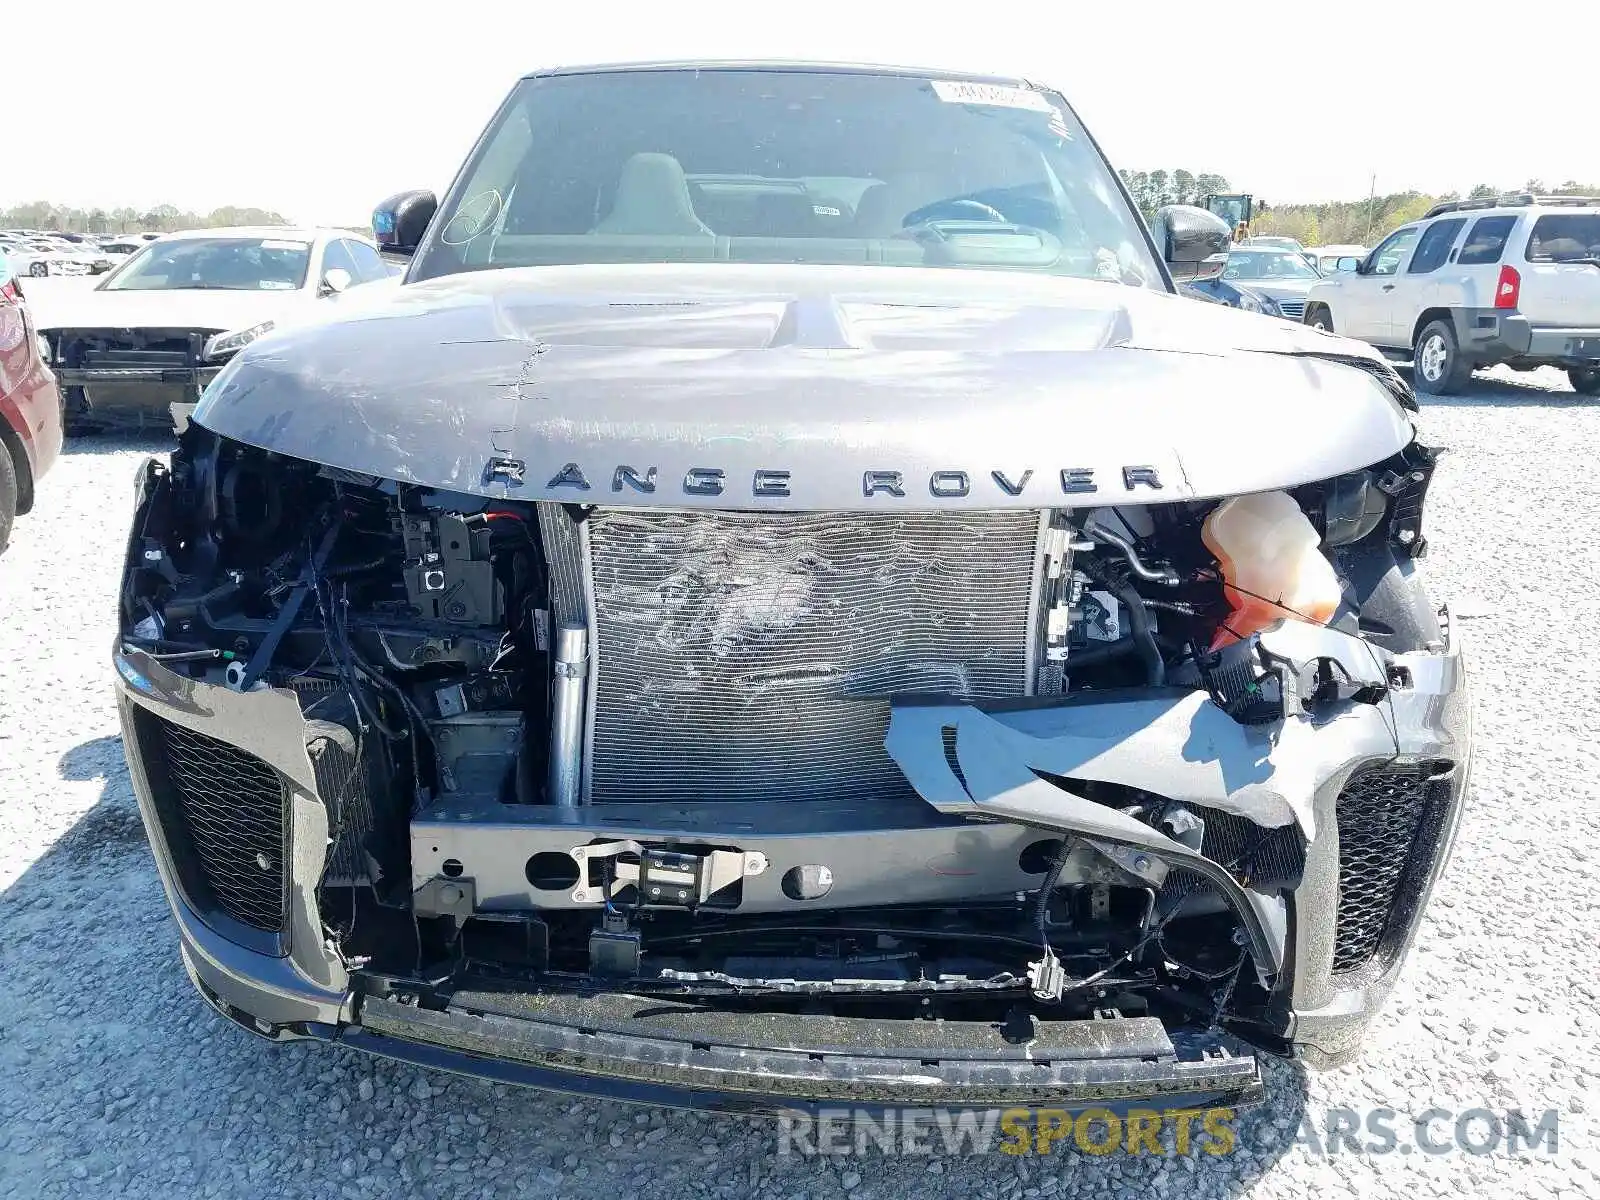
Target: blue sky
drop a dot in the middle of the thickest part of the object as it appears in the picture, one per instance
(321, 109)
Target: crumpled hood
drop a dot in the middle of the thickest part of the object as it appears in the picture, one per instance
(177, 308)
(732, 385)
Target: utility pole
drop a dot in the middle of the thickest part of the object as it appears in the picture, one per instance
(1372, 198)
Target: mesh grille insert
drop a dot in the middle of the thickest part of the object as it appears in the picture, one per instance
(224, 812)
(1379, 813)
(751, 656)
(1262, 858)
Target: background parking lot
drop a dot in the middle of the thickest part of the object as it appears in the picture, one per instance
(116, 1080)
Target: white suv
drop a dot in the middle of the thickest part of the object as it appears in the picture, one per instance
(1513, 280)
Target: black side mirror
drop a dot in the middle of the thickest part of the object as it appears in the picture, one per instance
(1193, 242)
(400, 221)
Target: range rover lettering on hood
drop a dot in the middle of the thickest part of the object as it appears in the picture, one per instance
(698, 386)
(943, 484)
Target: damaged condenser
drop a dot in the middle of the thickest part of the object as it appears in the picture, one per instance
(908, 763)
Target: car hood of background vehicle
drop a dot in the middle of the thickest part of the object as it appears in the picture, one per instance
(1278, 289)
(563, 374)
(174, 308)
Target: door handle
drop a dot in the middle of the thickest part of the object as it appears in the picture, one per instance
(1388, 287)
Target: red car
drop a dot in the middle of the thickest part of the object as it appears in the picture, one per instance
(30, 406)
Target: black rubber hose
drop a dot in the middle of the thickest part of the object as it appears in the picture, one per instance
(1093, 656)
(1144, 635)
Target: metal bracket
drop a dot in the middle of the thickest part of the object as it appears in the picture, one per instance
(442, 896)
(664, 876)
(1139, 863)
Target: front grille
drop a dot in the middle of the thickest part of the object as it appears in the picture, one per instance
(1295, 309)
(751, 656)
(223, 817)
(1381, 813)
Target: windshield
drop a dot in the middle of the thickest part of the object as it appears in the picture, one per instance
(1267, 264)
(229, 264)
(770, 166)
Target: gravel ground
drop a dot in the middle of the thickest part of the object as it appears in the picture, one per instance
(116, 1081)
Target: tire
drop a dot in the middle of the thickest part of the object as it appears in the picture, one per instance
(8, 495)
(1318, 317)
(1585, 380)
(1437, 365)
(38, 270)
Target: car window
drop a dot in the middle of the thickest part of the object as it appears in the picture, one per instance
(1391, 251)
(369, 264)
(787, 166)
(335, 255)
(221, 263)
(1267, 264)
(1565, 237)
(1434, 245)
(1486, 242)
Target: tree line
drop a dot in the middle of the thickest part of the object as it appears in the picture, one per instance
(1329, 223)
(163, 218)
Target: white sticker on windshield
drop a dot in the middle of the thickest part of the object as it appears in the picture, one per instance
(271, 245)
(276, 285)
(994, 95)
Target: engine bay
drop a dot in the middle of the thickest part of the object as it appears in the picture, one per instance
(443, 650)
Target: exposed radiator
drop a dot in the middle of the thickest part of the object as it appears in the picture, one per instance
(751, 656)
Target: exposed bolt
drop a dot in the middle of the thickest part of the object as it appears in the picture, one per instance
(1141, 862)
(683, 893)
(450, 894)
(655, 891)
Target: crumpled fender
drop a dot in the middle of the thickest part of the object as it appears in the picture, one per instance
(1177, 744)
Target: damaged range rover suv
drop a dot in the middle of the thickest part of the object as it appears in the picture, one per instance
(783, 602)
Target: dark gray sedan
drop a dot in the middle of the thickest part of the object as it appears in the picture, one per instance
(1282, 276)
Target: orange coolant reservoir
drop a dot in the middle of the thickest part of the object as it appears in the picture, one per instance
(1272, 564)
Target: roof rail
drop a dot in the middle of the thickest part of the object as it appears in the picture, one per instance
(1513, 200)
